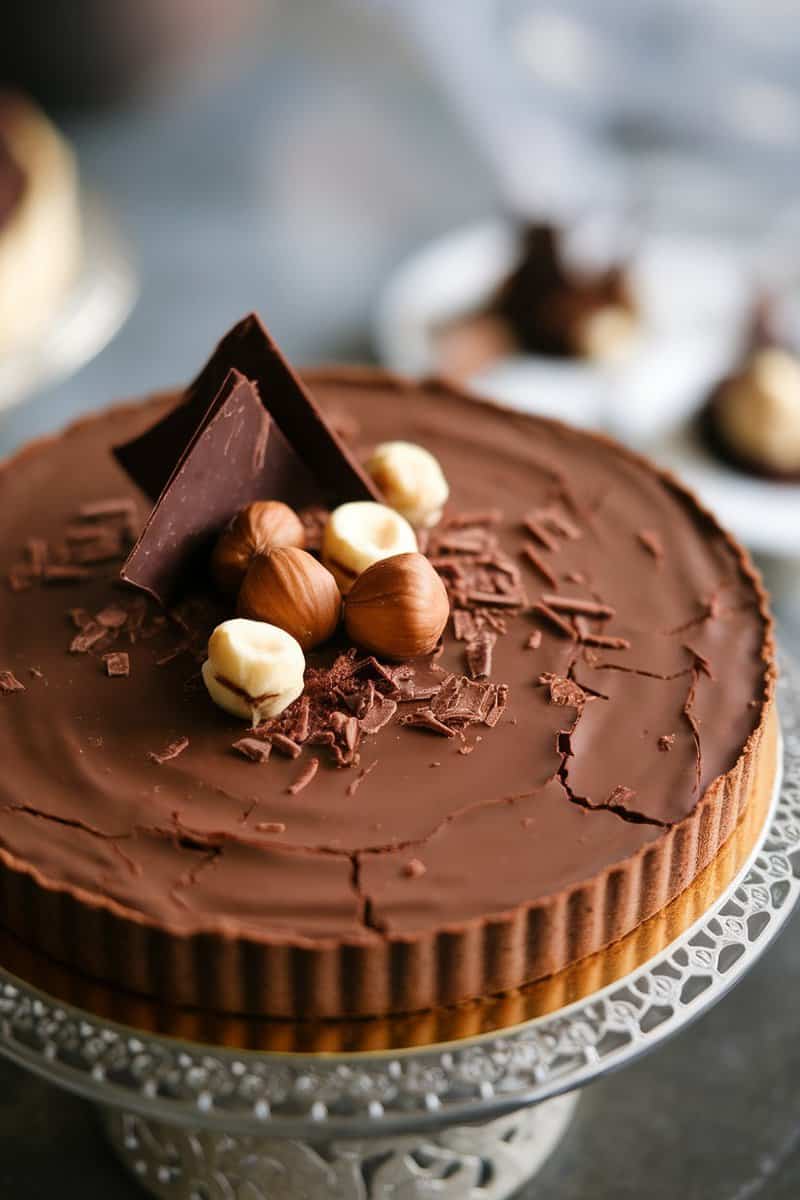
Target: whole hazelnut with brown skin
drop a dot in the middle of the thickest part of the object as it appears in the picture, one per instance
(397, 608)
(290, 588)
(259, 527)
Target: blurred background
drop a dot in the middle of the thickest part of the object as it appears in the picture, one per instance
(586, 208)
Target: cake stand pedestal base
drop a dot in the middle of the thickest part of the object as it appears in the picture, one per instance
(465, 1162)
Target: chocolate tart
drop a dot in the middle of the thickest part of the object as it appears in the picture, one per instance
(630, 665)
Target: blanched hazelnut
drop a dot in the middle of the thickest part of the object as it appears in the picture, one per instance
(253, 670)
(289, 588)
(411, 480)
(359, 534)
(259, 527)
(397, 608)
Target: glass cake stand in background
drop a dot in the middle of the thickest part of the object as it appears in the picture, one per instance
(470, 1118)
(91, 311)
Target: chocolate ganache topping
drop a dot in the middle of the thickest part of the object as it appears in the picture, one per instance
(608, 658)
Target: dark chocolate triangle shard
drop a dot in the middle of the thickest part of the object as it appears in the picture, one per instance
(151, 458)
(236, 455)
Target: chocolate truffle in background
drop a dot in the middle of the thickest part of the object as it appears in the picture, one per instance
(91, 52)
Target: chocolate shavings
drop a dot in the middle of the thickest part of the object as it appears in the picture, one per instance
(305, 777)
(173, 750)
(356, 783)
(10, 683)
(253, 749)
(286, 746)
(479, 655)
(577, 605)
(564, 627)
(118, 664)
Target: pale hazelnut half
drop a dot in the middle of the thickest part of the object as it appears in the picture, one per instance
(253, 670)
(360, 533)
(257, 528)
(289, 588)
(397, 608)
(411, 481)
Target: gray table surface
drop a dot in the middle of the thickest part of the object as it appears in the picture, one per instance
(291, 183)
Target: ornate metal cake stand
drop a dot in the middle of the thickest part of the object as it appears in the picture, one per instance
(472, 1118)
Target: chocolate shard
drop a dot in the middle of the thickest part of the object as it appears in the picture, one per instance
(479, 655)
(118, 664)
(57, 573)
(112, 617)
(10, 683)
(544, 610)
(497, 706)
(305, 777)
(89, 636)
(248, 429)
(99, 510)
(425, 718)
(564, 692)
(253, 749)
(378, 714)
(173, 750)
(249, 350)
(356, 783)
(286, 745)
(232, 459)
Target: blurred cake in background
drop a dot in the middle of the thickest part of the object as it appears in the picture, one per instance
(40, 238)
(548, 306)
(752, 417)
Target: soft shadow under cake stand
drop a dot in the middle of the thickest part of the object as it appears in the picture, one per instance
(464, 1104)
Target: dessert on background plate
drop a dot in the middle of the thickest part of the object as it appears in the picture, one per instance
(40, 233)
(545, 305)
(678, 305)
(304, 727)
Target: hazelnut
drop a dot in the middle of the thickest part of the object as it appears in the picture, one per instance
(358, 534)
(289, 588)
(253, 670)
(411, 481)
(397, 608)
(257, 528)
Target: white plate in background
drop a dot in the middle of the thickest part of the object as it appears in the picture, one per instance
(694, 295)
